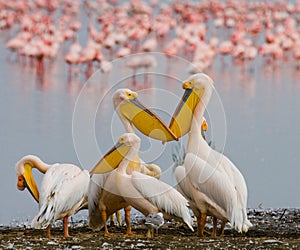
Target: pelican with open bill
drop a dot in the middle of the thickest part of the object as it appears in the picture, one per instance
(132, 111)
(183, 115)
(102, 201)
(215, 184)
(111, 159)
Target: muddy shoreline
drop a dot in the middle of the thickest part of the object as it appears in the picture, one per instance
(272, 229)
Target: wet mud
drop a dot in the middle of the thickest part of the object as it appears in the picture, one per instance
(272, 229)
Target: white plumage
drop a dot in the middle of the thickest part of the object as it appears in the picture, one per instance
(63, 191)
(163, 196)
(144, 193)
(217, 187)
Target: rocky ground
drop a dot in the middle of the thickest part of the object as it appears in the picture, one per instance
(272, 229)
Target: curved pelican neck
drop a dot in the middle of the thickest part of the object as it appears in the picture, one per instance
(196, 142)
(36, 162)
(128, 158)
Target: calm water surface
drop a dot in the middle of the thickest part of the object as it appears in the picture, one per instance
(63, 120)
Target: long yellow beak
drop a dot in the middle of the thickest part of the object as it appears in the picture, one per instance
(146, 121)
(111, 159)
(183, 115)
(30, 182)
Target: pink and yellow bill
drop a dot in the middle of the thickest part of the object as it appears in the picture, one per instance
(183, 115)
(146, 121)
(30, 182)
(111, 159)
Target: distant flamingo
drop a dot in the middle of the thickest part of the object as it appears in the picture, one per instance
(141, 61)
(74, 55)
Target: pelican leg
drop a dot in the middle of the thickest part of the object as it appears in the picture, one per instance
(66, 228)
(127, 221)
(112, 220)
(119, 219)
(201, 225)
(150, 233)
(223, 228)
(215, 223)
(198, 226)
(104, 218)
(48, 233)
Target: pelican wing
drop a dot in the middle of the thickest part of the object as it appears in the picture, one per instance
(63, 189)
(95, 190)
(236, 178)
(183, 188)
(216, 185)
(241, 190)
(163, 196)
(181, 182)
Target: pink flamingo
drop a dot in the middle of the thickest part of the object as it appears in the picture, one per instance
(74, 55)
(141, 61)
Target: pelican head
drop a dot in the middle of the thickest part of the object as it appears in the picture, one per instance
(198, 90)
(117, 153)
(123, 96)
(129, 139)
(132, 111)
(25, 177)
(198, 81)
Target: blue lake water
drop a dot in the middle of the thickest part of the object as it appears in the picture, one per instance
(63, 120)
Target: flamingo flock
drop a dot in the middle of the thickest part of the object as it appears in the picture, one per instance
(41, 31)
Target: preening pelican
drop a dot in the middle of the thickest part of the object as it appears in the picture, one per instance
(63, 190)
(217, 186)
(144, 193)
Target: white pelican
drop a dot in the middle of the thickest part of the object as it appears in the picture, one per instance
(124, 101)
(63, 189)
(144, 193)
(217, 186)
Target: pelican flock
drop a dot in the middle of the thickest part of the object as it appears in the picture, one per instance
(208, 179)
(208, 182)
